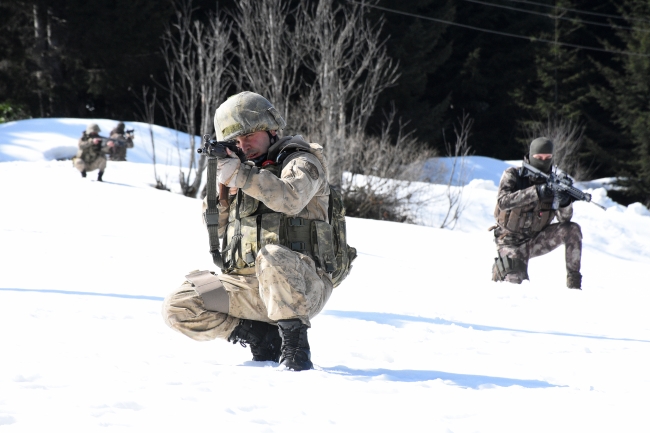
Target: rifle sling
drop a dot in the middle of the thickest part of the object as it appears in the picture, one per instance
(212, 212)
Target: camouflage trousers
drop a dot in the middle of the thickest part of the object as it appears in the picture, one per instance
(286, 285)
(567, 233)
(117, 153)
(98, 164)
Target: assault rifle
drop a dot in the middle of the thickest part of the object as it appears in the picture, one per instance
(217, 149)
(558, 183)
(103, 141)
(129, 133)
(117, 141)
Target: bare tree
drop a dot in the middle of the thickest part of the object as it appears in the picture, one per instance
(214, 59)
(351, 69)
(383, 174)
(458, 171)
(566, 136)
(147, 114)
(269, 50)
(196, 58)
(46, 53)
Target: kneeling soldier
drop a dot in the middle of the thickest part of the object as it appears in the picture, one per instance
(524, 213)
(272, 209)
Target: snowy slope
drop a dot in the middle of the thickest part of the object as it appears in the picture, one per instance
(417, 338)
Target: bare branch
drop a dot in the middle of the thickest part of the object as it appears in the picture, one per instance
(196, 58)
(566, 136)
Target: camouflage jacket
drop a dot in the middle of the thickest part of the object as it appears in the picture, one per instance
(89, 151)
(123, 139)
(519, 213)
(296, 188)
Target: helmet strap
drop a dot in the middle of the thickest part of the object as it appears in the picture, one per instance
(272, 138)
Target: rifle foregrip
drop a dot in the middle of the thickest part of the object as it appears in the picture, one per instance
(577, 194)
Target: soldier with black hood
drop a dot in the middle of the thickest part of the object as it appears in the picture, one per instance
(524, 215)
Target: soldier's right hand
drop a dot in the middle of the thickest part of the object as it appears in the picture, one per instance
(564, 198)
(545, 192)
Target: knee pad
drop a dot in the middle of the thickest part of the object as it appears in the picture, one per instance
(210, 289)
(504, 266)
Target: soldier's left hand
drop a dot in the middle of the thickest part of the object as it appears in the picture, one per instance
(227, 169)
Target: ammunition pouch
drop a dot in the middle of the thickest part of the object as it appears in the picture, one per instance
(525, 221)
(248, 235)
(251, 225)
(504, 265)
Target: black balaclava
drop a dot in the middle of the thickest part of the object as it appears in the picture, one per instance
(541, 145)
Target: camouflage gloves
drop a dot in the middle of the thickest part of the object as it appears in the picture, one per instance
(227, 169)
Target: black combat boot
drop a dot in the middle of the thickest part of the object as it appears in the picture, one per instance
(99, 176)
(574, 280)
(263, 338)
(83, 173)
(295, 347)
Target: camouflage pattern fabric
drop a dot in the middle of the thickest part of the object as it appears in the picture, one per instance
(184, 311)
(118, 153)
(89, 156)
(286, 285)
(517, 196)
(301, 190)
(554, 235)
(283, 284)
(245, 113)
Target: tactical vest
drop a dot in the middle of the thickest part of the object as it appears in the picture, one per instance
(90, 153)
(525, 220)
(252, 225)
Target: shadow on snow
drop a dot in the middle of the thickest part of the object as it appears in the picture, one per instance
(463, 380)
(398, 320)
(69, 292)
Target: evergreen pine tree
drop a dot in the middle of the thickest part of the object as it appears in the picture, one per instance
(627, 97)
(420, 48)
(484, 69)
(559, 89)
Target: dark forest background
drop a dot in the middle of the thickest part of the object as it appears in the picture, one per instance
(508, 64)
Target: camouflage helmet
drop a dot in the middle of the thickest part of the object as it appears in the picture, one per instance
(92, 128)
(245, 113)
(120, 127)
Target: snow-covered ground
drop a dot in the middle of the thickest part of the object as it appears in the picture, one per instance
(416, 339)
